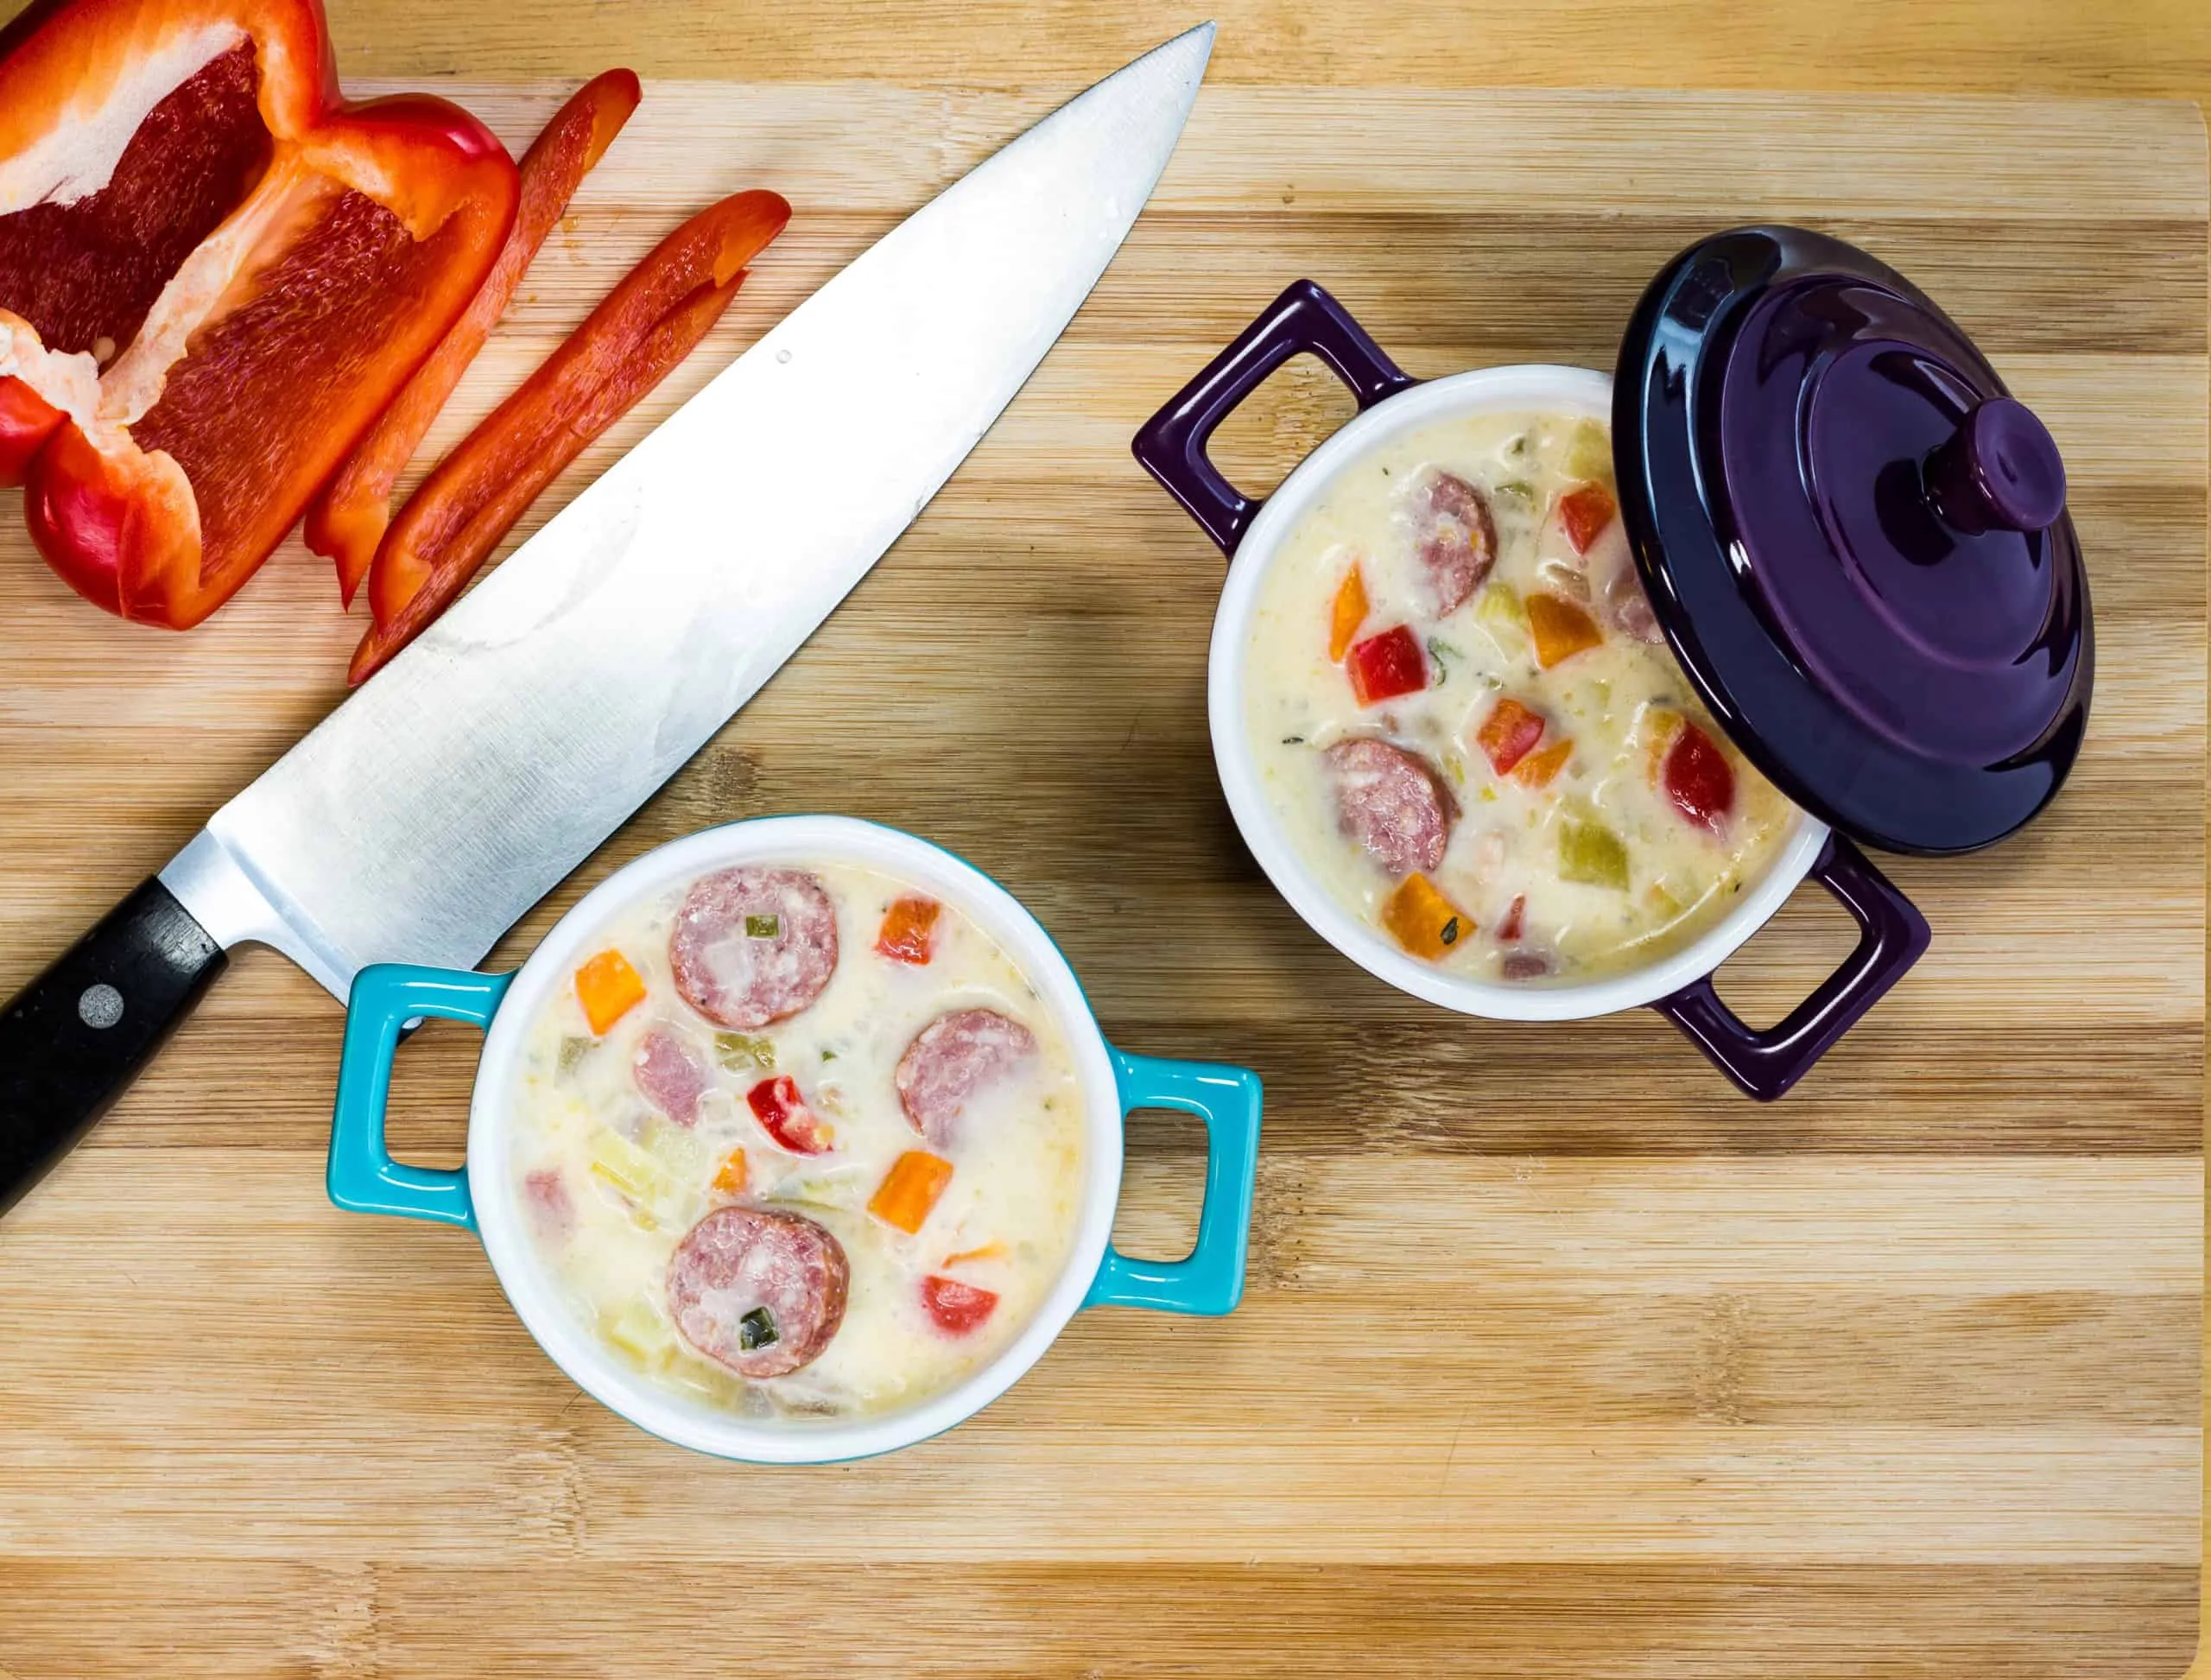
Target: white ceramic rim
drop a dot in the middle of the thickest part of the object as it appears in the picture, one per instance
(1547, 389)
(803, 842)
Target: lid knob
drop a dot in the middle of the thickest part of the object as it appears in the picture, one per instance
(2000, 470)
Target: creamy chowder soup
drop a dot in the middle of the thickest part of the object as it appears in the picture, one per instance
(1466, 721)
(804, 1143)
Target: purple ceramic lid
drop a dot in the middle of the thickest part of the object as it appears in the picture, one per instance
(1854, 538)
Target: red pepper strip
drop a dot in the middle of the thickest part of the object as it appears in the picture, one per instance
(347, 518)
(636, 337)
(221, 276)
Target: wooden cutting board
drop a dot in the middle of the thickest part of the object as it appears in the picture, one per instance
(1558, 1358)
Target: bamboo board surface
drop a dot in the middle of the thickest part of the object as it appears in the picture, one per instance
(1557, 1357)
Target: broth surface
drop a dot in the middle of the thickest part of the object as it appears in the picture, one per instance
(609, 1182)
(1589, 849)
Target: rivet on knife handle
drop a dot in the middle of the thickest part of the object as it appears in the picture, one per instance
(75, 1036)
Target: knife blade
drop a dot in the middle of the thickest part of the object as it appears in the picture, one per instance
(423, 816)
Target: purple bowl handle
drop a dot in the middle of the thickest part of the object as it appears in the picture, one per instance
(1172, 443)
(1891, 936)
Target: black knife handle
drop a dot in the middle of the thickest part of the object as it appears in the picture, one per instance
(75, 1036)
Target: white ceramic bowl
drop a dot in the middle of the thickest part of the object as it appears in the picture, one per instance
(363, 1177)
(1560, 390)
(1171, 446)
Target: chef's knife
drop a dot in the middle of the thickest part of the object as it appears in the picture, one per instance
(426, 813)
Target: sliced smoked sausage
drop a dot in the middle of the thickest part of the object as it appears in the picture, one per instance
(752, 946)
(759, 1291)
(1392, 803)
(1457, 539)
(670, 1077)
(950, 1059)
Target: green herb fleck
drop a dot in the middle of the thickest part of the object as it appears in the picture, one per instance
(1293, 740)
(756, 1329)
(735, 1051)
(828, 1056)
(762, 927)
(572, 1052)
(1451, 931)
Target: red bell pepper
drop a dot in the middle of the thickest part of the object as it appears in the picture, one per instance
(1698, 779)
(909, 927)
(347, 518)
(957, 1309)
(214, 274)
(1383, 667)
(781, 1109)
(1509, 733)
(1583, 512)
(637, 336)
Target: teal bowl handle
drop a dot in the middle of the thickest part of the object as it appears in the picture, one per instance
(363, 1177)
(1211, 1279)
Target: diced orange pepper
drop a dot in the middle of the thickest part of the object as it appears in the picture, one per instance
(1583, 512)
(609, 989)
(736, 1173)
(1422, 920)
(909, 1189)
(906, 925)
(1347, 615)
(1538, 768)
(1561, 628)
(988, 1251)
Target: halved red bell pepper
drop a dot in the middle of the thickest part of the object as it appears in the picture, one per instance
(214, 274)
(347, 518)
(646, 325)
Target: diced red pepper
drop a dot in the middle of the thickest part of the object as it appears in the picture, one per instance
(347, 518)
(907, 929)
(1509, 733)
(783, 1115)
(1383, 667)
(958, 1308)
(1583, 513)
(1515, 921)
(646, 326)
(1347, 613)
(1560, 628)
(1699, 779)
(218, 323)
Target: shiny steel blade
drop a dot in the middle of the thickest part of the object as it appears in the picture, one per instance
(426, 813)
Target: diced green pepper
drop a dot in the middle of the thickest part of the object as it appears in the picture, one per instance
(756, 1329)
(762, 927)
(634, 1171)
(736, 1051)
(1589, 452)
(1592, 854)
(677, 1149)
(1499, 604)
